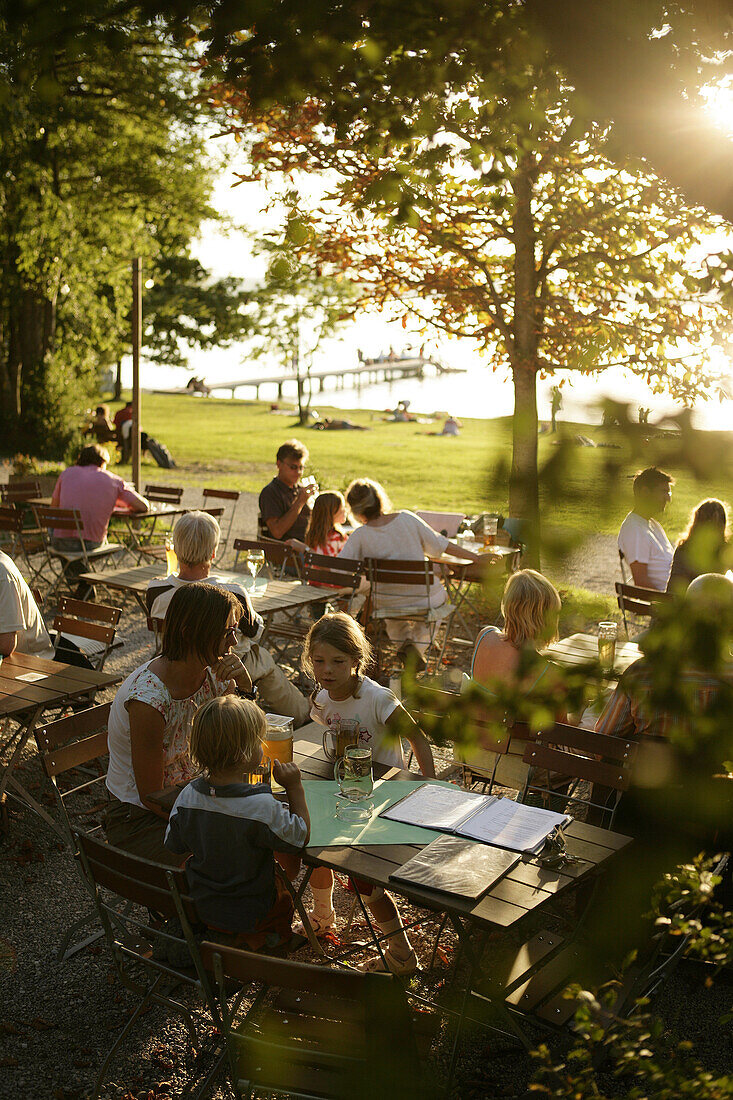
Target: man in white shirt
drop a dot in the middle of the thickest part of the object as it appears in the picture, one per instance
(21, 625)
(642, 539)
(195, 540)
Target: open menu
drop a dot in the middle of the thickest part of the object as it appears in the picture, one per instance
(488, 818)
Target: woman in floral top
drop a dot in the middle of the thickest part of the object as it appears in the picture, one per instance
(151, 716)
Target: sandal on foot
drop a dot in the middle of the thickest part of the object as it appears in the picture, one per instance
(402, 967)
(321, 925)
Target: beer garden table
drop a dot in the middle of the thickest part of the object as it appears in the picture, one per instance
(582, 649)
(29, 686)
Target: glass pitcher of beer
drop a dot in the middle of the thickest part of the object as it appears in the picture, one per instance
(335, 739)
(353, 773)
(607, 634)
(278, 741)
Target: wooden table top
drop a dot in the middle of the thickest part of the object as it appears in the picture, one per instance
(58, 681)
(527, 886)
(582, 649)
(277, 596)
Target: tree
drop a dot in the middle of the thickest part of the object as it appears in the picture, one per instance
(512, 227)
(297, 307)
(102, 157)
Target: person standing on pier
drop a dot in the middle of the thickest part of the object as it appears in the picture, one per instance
(284, 503)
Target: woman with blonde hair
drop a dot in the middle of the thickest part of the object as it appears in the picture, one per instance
(701, 548)
(531, 608)
(398, 536)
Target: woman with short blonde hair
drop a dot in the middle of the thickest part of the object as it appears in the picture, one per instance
(530, 606)
(195, 538)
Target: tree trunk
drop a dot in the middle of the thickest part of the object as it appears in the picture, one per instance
(523, 484)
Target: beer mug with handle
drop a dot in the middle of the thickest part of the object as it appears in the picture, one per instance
(345, 731)
(353, 773)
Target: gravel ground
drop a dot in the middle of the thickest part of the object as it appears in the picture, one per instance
(58, 1020)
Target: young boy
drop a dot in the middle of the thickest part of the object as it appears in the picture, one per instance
(233, 828)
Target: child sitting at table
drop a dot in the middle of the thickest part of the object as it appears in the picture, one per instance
(335, 654)
(324, 533)
(233, 827)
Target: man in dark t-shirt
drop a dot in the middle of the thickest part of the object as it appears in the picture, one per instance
(284, 503)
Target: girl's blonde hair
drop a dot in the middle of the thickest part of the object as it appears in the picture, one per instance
(226, 731)
(709, 513)
(343, 633)
(367, 498)
(530, 606)
(321, 524)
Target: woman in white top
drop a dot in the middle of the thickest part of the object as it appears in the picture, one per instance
(152, 714)
(397, 535)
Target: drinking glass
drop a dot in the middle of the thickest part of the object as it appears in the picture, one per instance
(278, 742)
(171, 559)
(607, 634)
(337, 737)
(490, 528)
(353, 773)
(261, 774)
(255, 561)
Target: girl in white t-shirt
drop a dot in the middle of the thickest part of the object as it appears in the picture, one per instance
(335, 654)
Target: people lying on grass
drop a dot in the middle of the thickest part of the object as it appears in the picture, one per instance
(324, 534)
(233, 826)
(285, 503)
(400, 535)
(703, 547)
(509, 657)
(195, 541)
(152, 713)
(335, 654)
(641, 539)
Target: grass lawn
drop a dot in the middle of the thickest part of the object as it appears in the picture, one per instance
(232, 444)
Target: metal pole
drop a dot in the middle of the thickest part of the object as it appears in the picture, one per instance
(137, 327)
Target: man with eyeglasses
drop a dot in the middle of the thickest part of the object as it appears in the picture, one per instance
(284, 503)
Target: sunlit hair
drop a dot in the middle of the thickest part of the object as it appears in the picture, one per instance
(367, 499)
(646, 481)
(321, 523)
(93, 455)
(292, 448)
(195, 538)
(344, 634)
(709, 515)
(227, 731)
(102, 410)
(530, 606)
(196, 622)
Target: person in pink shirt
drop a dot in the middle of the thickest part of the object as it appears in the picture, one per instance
(94, 491)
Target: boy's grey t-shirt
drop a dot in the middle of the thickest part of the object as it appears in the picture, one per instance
(232, 832)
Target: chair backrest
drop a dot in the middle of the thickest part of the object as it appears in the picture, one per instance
(11, 520)
(445, 523)
(16, 492)
(634, 600)
(322, 569)
(401, 571)
(164, 494)
(582, 756)
(95, 622)
(67, 520)
(279, 557)
(622, 565)
(67, 745)
(317, 1031)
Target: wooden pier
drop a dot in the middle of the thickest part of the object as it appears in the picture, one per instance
(371, 371)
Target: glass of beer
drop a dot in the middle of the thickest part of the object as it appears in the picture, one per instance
(261, 774)
(490, 528)
(353, 773)
(278, 742)
(171, 559)
(336, 738)
(607, 634)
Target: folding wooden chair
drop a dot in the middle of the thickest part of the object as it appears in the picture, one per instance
(89, 627)
(597, 761)
(315, 1032)
(642, 602)
(18, 540)
(280, 559)
(152, 544)
(143, 951)
(69, 521)
(19, 492)
(163, 494)
(321, 569)
(71, 751)
(229, 499)
(420, 576)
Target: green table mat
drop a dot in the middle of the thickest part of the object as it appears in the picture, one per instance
(328, 831)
